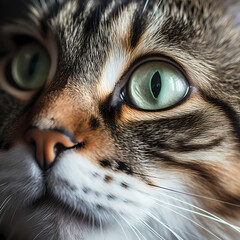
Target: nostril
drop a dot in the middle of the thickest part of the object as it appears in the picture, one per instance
(59, 148)
(49, 144)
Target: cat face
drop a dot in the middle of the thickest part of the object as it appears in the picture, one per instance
(120, 119)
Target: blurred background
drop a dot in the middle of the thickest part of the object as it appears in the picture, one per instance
(11, 9)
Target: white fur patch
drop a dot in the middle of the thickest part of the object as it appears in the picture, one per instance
(136, 212)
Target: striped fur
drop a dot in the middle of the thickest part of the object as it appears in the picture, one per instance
(171, 174)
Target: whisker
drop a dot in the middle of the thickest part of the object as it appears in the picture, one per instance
(191, 221)
(145, 5)
(13, 215)
(155, 218)
(44, 229)
(151, 229)
(132, 227)
(120, 226)
(185, 193)
(195, 195)
(5, 202)
(210, 215)
(156, 9)
(2, 190)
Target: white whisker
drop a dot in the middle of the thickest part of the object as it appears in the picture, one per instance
(120, 226)
(151, 229)
(209, 216)
(196, 195)
(145, 5)
(191, 221)
(5, 202)
(133, 228)
(44, 229)
(156, 9)
(155, 218)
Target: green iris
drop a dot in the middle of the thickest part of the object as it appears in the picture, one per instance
(30, 67)
(157, 85)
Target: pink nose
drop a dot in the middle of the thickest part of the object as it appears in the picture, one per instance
(48, 145)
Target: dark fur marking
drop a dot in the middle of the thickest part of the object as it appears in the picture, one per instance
(194, 167)
(108, 179)
(96, 175)
(124, 185)
(86, 190)
(183, 147)
(137, 29)
(108, 112)
(80, 9)
(230, 113)
(196, 147)
(117, 9)
(111, 197)
(94, 123)
(124, 168)
(99, 207)
(91, 24)
(106, 164)
(53, 11)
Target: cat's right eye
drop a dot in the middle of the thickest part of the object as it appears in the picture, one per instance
(29, 67)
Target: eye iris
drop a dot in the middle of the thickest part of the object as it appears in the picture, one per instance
(155, 85)
(33, 64)
(30, 67)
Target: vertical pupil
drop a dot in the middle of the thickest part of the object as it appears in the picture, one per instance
(33, 64)
(156, 84)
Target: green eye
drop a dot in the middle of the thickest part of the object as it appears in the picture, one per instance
(156, 85)
(30, 67)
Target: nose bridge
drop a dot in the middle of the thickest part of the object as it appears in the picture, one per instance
(64, 108)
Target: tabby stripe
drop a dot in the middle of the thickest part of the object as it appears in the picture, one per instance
(194, 167)
(137, 29)
(230, 113)
(212, 181)
(80, 9)
(117, 9)
(91, 24)
(182, 147)
(196, 147)
(53, 11)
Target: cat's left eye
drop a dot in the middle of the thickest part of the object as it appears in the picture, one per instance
(29, 68)
(156, 85)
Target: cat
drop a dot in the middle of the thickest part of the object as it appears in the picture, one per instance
(119, 120)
